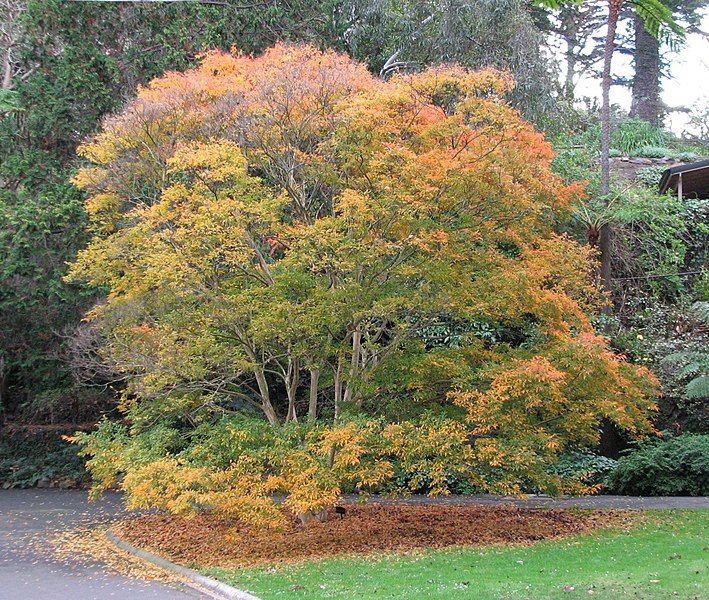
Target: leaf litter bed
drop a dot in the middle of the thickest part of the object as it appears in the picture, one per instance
(206, 540)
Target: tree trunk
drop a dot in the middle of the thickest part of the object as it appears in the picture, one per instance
(3, 390)
(7, 70)
(266, 405)
(605, 246)
(569, 87)
(609, 48)
(605, 234)
(646, 103)
(292, 382)
(310, 516)
(338, 386)
(354, 365)
(313, 400)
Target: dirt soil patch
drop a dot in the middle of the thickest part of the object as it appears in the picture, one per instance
(208, 541)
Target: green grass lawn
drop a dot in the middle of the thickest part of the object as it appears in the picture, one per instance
(665, 556)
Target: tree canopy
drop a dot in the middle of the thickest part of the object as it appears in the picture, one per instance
(286, 235)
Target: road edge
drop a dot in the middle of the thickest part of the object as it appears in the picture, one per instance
(202, 583)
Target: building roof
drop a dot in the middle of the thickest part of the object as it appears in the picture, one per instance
(695, 179)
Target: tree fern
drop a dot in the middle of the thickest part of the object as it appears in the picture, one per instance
(659, 21)
(693, 366)
(658, 18)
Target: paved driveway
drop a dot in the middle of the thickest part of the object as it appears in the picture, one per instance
(28, 517)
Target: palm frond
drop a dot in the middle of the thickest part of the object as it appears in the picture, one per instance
(659, 21)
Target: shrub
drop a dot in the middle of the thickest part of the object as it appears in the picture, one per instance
(672, 466)
(650, 151)
(650, 176)
(626, 138)
(31, 458)
(635, 133)
(591, 469)
(687, 156)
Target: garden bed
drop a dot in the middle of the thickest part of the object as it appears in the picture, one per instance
(208, 541)
(663, 555)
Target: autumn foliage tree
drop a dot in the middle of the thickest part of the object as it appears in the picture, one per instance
(319, 281)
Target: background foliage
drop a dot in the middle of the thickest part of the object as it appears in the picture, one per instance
(677, 466)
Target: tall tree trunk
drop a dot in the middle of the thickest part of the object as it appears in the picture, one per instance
(313, 399)
(609, 48)
(605, 246)
(646, 104)
(7, 70)
(3, 390)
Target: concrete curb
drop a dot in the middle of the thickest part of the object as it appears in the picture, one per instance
(214, 588)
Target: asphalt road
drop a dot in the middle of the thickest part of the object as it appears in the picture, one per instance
(28, 569)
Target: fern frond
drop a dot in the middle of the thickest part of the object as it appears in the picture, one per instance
(9, 101)
(689, 365)
(701, 311)
(693, 369)
(697, 388)
(686, 358)
(659, 21)
(555, 4)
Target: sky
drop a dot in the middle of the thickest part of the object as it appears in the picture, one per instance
(687, 85)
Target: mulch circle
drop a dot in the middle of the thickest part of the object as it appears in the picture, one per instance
(209, 541)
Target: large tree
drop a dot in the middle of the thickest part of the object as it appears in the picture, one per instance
(66, 65)
(287, 233)
(575, 28)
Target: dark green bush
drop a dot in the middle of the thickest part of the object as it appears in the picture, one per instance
(669, 466)
(585, 466)
(31, 458)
